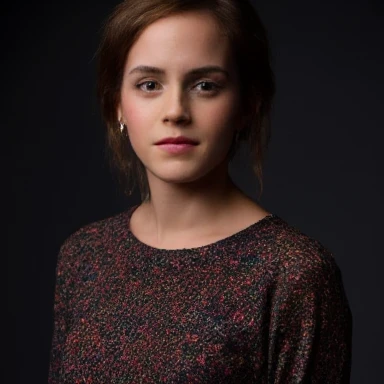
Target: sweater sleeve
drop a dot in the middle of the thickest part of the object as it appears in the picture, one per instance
(311, 322)
(65, 280)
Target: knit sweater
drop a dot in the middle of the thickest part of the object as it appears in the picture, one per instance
(264, 305)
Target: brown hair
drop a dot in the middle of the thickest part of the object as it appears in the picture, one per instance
(240, 23)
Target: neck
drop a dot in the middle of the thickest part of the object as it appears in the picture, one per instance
(188, 207)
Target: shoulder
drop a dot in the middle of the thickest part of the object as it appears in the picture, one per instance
(300, 258)
(99, 234)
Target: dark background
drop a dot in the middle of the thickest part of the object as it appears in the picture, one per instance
(321, 175)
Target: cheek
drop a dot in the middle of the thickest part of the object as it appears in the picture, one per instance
(135, 115)
(222, 118)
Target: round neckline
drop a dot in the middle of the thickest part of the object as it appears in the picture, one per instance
(228, 239)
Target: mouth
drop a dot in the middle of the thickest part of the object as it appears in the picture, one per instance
(180, 140)
(177, 145)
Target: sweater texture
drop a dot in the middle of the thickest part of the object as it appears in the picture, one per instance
(264, 305)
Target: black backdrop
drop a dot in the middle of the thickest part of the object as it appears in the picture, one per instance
(322, 172)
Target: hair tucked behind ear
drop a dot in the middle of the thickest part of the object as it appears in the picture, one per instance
(240, 22)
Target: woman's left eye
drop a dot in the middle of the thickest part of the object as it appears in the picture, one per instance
(207, 86)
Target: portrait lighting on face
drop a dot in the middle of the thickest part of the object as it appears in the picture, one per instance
(177, 87)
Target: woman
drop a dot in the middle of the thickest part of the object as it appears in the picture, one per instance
(198, 283)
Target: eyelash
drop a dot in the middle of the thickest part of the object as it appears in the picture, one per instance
(211, 84)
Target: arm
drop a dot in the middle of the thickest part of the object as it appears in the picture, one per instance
(64, 281)
(311, 322)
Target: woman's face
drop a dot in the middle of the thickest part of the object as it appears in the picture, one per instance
(176, 97)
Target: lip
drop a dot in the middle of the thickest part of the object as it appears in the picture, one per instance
(177, 140)
(176, 148)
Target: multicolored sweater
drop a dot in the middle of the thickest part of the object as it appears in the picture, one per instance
(264, 305)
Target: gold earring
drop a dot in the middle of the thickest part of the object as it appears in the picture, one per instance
(122, 126)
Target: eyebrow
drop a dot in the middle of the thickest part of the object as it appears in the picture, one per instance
(196, 71)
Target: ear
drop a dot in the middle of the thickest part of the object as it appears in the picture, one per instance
(119, 113)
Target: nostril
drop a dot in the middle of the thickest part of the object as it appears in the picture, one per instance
(178, 119)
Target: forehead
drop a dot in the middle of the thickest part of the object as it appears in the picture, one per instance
(181, 40)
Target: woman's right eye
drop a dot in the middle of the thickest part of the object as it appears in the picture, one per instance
(147, 86)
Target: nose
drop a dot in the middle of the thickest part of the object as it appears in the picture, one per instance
(177, 108)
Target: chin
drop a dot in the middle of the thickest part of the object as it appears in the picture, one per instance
(179, 176)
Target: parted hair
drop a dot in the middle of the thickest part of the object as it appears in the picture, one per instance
(240, 23)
